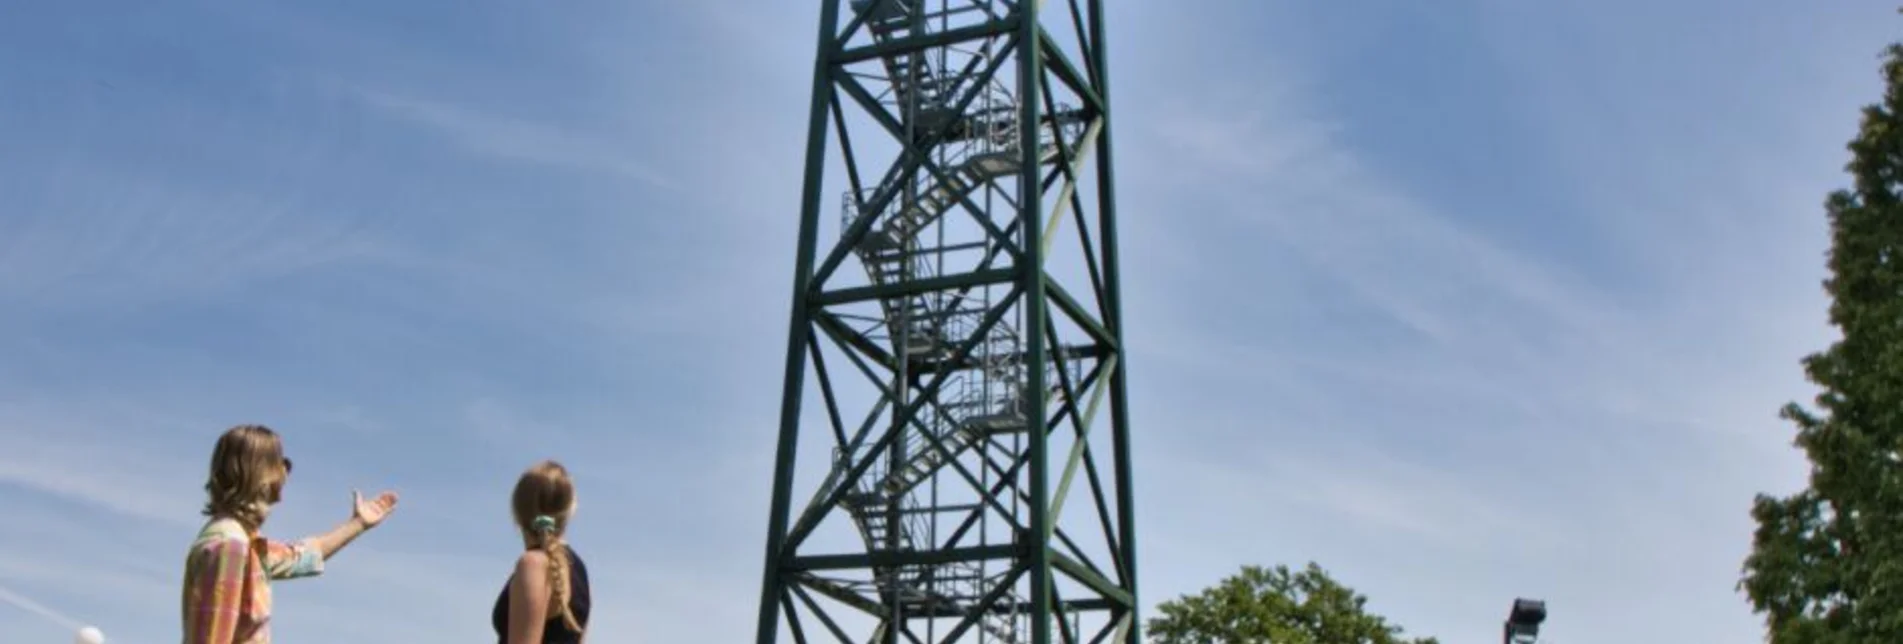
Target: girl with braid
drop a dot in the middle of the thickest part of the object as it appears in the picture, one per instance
(546, 600)
(229, 567)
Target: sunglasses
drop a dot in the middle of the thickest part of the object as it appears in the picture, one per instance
(277, 488)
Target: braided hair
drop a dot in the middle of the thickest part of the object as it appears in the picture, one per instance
(543, 502)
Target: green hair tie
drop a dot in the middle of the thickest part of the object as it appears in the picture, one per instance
(543, 523)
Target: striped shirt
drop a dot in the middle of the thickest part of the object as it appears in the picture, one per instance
(227, 594)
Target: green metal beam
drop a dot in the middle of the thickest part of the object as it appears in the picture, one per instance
(1113, 306)
(1082, 317)
(1060, 65)
(846, 337)
(991, 597)
(1090, 578)
(825, 386)
(1068, 606)
(915, 287)
(904, 558)
(1029, 193)
(843, 594)
(987, 29)
(772, 586)
(1077, 448)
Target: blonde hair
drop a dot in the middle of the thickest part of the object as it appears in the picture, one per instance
(546, 490)
(248, 470)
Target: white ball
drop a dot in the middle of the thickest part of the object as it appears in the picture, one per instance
(90, 635)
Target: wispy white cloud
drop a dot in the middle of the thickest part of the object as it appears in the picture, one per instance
(1278, 169)
(112, 579)
(143, 239)
(520, 139)
(25, 603)
(67, 456)
(51, 471)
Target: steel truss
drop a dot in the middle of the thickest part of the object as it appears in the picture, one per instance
(967, 502)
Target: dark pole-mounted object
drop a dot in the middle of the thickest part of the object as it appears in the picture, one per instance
(1523, 622)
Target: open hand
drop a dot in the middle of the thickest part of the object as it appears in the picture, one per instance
(373, 511)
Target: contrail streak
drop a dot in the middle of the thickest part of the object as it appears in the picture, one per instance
(24, 603)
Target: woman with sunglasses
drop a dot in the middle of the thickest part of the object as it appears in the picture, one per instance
(227, 592)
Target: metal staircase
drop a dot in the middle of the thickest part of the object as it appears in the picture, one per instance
(916, 85)
(965, 178)
(891, 254)
(945, 123)
(982, 401)
(889, 516)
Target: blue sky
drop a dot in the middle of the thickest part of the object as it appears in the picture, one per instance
(1463, 302)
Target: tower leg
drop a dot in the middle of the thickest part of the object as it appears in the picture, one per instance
(799, 326)
(1113, 313)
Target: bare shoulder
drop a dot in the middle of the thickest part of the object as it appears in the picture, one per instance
(531, 561)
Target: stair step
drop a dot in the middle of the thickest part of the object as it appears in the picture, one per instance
(929, 459)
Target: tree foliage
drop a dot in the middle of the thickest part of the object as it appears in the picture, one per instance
(1826, 565)
(1274, 606)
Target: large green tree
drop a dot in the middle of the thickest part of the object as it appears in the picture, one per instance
(1274, 606)
(1826, 565)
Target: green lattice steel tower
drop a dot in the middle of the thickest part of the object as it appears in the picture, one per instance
(961, 325)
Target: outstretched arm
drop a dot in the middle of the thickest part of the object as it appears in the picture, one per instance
(364, 516)
(329, 543)
(290, 560)
(306, 557)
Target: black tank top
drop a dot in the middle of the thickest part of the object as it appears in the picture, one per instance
(555, 631)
